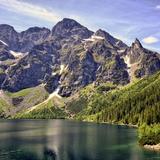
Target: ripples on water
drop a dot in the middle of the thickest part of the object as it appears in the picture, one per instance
(68, 140)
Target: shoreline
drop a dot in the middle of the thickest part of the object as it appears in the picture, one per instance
(155, 147)
(119, 124)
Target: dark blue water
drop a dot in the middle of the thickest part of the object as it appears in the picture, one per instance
(69, 140)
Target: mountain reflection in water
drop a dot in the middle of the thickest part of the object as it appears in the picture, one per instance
(68, 140)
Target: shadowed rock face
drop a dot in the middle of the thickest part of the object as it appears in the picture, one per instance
(24, 41)
(148, 62)
(71, 57)
(68, 28)
(31, 37)
(9, 36)
(111, 40)
(5, 53)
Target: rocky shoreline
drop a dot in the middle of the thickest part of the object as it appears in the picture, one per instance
(153, 147)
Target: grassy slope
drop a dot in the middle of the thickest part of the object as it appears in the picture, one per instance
(20, 104)
(46, 110)
(4, 108)
(37, 106)
(30, 93)
(19, 101)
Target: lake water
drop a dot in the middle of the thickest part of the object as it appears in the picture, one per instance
(69, 140)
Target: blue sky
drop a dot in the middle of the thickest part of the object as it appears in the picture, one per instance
(124, 19)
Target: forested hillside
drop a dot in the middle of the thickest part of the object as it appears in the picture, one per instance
(136, 103)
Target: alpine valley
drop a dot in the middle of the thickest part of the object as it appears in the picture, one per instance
(74, 73)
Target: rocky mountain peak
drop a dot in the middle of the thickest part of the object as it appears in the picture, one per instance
(69, 23)
(65, 25)
(69, 28)
(136, 51)
(137, 44)
(110, 39)
(6, 27)
(35, 30)
(9, 36)
(101, 33)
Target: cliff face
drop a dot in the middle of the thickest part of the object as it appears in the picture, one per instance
(144, 61)
(69, 57)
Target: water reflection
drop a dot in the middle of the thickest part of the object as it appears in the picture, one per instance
(67, 140)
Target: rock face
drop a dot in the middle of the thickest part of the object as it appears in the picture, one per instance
(147, 62)
(9, 36)
(31, 37)
(24, 41)
(33, 69)
(70, 57)
(6, 58)
(116, 43)
(4, 52)
(70, 29)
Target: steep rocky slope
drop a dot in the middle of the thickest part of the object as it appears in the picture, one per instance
(24, 41)
(141, 61)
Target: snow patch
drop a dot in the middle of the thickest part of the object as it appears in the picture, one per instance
(97, 37)
(27, 66)
(42, 84)
(89, 39)
(127, 61)
(93, 38)
(54, 73)
(121, 50)
(4, 43)
(117, 42)
(17, 54)
(61, 69)
(55, 94)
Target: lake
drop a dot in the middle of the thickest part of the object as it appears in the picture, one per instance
(69, 140)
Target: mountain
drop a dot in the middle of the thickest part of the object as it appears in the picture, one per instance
(142, 61)
(31, 37)
(24, 41)
(70, 29)
(110, 39)
(67, 59)
(9, 35)
(71, 57)
(72, 72)
(4, 52)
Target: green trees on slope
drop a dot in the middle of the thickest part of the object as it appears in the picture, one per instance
(135, 104)
(149, 134)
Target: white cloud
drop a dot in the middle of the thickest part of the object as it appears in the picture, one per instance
(158, 7)
(150, 40)
(36, 11)
(30, 10)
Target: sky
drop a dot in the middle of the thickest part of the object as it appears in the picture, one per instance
(124, 19)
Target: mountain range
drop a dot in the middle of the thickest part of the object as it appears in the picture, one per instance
(40, 63)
